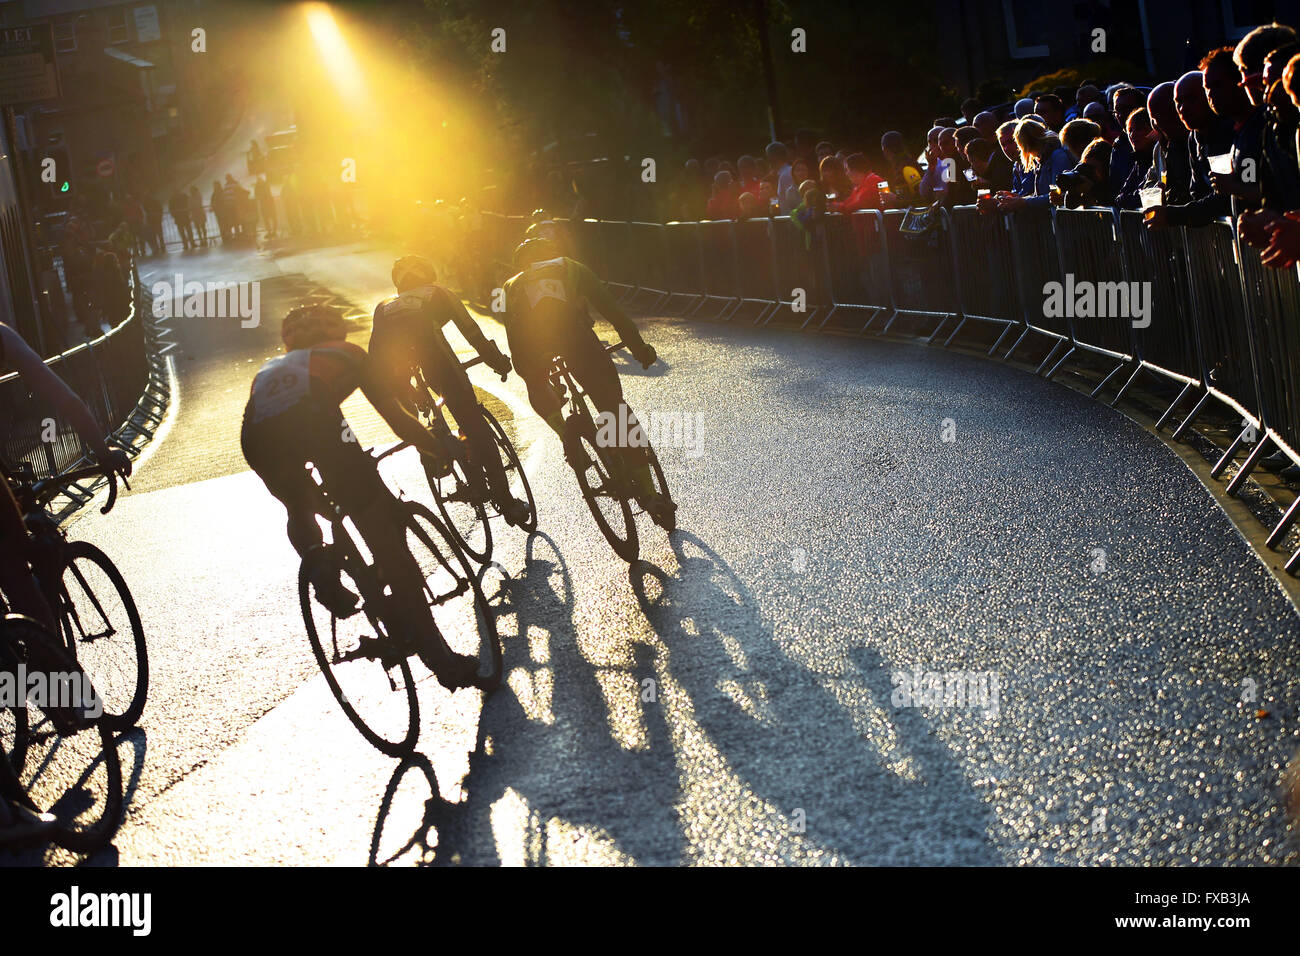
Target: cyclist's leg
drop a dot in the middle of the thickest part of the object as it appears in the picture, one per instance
(454, 386)
(531, 355)
(595, 372)
(16, 580)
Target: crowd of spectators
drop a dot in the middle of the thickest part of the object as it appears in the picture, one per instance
(1220, 140)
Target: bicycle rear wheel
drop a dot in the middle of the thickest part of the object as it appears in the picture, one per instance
(102, 628)
(366, 672)
(463, 621)
(514, 469)
(602, 486)
(62, 752)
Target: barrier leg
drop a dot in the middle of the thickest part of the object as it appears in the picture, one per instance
(1015, 345)
(1160, 422)
(1279, 532)
(1051, 354)
(1006, 329)
(1293, 566)
(1106, 381)
(1196, 410)
(953, 335)
(1248, 466)
(1131, 379)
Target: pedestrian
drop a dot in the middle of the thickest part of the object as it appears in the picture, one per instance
(266, 205)
(179, 207)
(198, 216)
(218, 204)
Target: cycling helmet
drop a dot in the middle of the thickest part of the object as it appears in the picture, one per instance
(546, 229)
(310, 325)
(533, 250)
(412, 271)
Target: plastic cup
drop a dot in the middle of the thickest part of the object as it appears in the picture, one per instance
(1221, 163)
(1151, 196)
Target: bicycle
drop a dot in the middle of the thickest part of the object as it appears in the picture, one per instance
(91, 602)
(55, 739)
(348, 660)
(461, 489)
(603, 472)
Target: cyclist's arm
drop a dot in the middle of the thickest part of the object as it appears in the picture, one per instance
(469, 328)
(404, 425)
(590, 287)
(42, 380)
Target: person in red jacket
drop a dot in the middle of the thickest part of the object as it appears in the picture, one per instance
(866, 187)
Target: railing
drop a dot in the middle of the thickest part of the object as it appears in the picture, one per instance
(1215, 326)
(122, 378)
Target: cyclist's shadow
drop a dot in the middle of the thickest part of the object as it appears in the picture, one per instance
(798, 731)
(545, 753)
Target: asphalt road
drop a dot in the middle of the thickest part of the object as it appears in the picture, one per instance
(850, 510)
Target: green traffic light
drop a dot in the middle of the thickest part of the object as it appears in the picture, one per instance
(63, 188)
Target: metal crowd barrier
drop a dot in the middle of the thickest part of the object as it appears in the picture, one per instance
(121, 377)
(1222, 328)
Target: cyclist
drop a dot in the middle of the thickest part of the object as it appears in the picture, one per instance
(547, 315)
(16, 579)
(408, 334)
(293, 417)
(19, 823)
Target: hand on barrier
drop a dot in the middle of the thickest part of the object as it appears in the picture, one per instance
(1255, 227)
(1157, 217)
(1283, 250)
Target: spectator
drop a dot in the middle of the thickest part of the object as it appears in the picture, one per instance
(779, 158)
(1087, 94)
(1279, 179)
(1209, 134)
(1280, 234)
(266, 205)
(747, 173)
(1024, 106)
(1250, 54)
(218, 203)
(179, 207)
(198, 216)
(864, 189)
(1022, 182)
(722, 204)
(1044, 157)
(134, 214)
(1051, 108)
(1077, 135)
(809, 216)
(1170, 163)
(824, 149)
(933, 186)
(969, 108)
(902, 173)
(750, 206)
(800, 173)
(990, 165)
(834, 179)
(986, 124)
(959, 191)
(963, 136)
(1088, 184)
(767, 196)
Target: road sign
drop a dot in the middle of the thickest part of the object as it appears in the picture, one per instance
(27, 69)
(105, 167)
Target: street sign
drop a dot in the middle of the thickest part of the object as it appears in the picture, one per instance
(105, 167)
(27, 69)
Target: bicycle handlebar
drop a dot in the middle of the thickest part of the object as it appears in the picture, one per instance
(475, 361)
(43, 491)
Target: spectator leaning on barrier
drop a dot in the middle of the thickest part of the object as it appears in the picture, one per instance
(1279, 174)
(990, 165)
(1077, 135)
(1142, 138)
(778, 157)
(1022, 182)
(800, 172)
(1210, 135)
(1088, 183)
(750, 206)
(933, 186)
(722, 204)
(902, 174)
(1044, 157)
(1229, 101)
(1278, 234)
(1127, 99)
(834, 178)
(864, 192)
(1171, 167)
(747, 174)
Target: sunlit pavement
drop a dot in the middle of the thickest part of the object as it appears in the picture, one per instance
(728, 700)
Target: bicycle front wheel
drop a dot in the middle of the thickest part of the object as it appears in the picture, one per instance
(464, 512)
(101, 626)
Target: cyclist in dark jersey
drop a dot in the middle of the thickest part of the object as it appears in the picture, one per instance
(408, 334)
(546, 315)
(19, 823)
(293, 417)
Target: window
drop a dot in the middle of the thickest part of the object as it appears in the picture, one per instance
(117, 30)
(65, 37)
(1242, 16)
(1026, 28)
